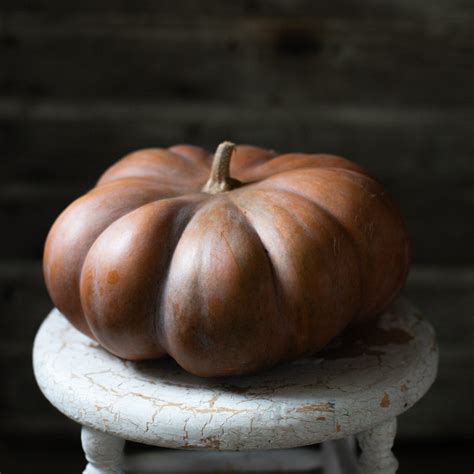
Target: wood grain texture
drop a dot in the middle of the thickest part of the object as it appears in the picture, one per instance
(79, 139)
(349, 79)
(53, 151)
(31, 210)
(321, 60)
(240, 8)
(243, 8)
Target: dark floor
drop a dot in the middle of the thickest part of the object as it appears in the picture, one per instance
(56, 456)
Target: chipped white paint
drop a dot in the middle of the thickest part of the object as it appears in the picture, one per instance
(299, 403)
(103, 452)
(376, 445)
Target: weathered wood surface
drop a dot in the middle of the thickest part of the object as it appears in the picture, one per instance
(358, 385)
(446, 297)
(75, 141)
(242, 8)
(386, 83)
(313, 57)
(53, 152)
(439, 218)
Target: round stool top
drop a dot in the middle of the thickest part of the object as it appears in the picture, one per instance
(365, 376)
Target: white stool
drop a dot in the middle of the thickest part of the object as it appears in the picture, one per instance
(357, 386)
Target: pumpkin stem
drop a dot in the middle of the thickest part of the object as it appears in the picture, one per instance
(220, 179)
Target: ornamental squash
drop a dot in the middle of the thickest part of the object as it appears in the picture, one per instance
(227, 265)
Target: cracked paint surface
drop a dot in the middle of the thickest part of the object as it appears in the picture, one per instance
(299, 403)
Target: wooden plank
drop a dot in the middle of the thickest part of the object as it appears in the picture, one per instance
(392, 9)
(29, 220)
(53, 152)
(264, 61)
(30, 211)
(445, 295)
(77, 140)
(24, 302)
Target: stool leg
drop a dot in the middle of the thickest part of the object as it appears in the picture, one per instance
(103, 452)
(376, 445)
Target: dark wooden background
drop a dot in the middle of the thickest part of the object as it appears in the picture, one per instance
(387, 83)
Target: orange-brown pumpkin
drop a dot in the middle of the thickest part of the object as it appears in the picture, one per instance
(226, 275)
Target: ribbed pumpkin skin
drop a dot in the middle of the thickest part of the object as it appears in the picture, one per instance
(148, 265)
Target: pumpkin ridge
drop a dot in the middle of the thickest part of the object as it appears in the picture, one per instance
(334, 221)
(159, 315)
(275, 280)
(209, 321)
(158, 311)
(260, 156)
(186, 202)
(390, 207)
(149, 180)
(355, 179)
(321, 170)
(337, 224)
(191, 158)
(307, 342)
(155, 162)
(94, 193)
(115, 182)
(284, 173)
(319, 161)
(351, 171)
(387, 200)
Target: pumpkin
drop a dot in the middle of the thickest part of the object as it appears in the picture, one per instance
(229, 264)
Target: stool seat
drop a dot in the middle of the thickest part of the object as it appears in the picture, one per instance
(368, 375)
